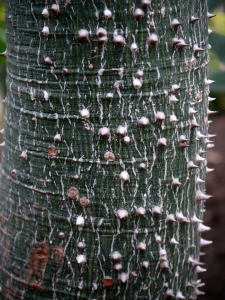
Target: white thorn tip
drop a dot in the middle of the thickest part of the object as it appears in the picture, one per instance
(107, 13)
(85, 113)
(141, 211)
(162, 254)
(194, 19)
(199, 180)
(83, 34)
(194, 262)
(183, 139)
(48, 61)
(143, 122)
(57, 138)
(202, 228)
(45, 31)
(104, 132)
(145, 264)
(175, 88)
(176, 182)
(173, 119)
(210, 146)
(204, 242)
(157, 210)
(134, 47)
(121, 130)
(209, 170)
(194, 124)
(158, 238)
(174, 242)
(194, 219)
(139, 74)
(192, 111)
(115, 256)
(199, 269)
(153, 40)
(55, 8)
(122, 214)
(179, 295)
(201, 196)
(160, 116)
(45, 13)
(138, 14)
(181, 218)
(198, 292)
(118, 40)
(209, 112)
(145, 3)
(126, 139)
(172, 99)
(109, 96)
(23, 155)
(162, 142)
(123, 277)
(175, 23)
(197, 49)
(141, 246)
(198, 158)
(124, 176)
(199, 135)
(211, 99)
(80, 221)
(81, 245)
(191, 165)
(170, 218)
(169, 293)
(208, 81)
(181, 44)
(210, 15)
(164, 265)
(137, 83)
(81, 259)
(117, 267)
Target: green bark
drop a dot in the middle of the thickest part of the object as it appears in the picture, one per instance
(55, 157)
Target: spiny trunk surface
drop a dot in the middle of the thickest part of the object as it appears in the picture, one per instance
(100, 109)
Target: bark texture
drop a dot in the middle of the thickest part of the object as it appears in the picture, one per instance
(106, 113)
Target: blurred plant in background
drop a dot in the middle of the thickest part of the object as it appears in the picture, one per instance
(217, 54)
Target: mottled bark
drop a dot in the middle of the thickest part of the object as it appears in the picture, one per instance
(105, 139)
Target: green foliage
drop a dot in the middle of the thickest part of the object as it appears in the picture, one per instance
(2, 33)
(217, 53)
(213, 4)
(218, 24)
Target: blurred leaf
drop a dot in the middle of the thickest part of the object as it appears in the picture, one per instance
(2, 13)
(212, 4)
(217, 24)
(217, 54)
(217, 63)
(2, 34)
(219, 84)
(217, 41)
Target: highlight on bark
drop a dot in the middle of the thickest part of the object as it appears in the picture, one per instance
(104, 153)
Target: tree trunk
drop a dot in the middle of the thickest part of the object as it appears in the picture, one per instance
(105, 138)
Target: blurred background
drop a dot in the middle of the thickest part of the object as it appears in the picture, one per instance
(214, 216)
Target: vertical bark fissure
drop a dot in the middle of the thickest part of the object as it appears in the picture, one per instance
(95, 163)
